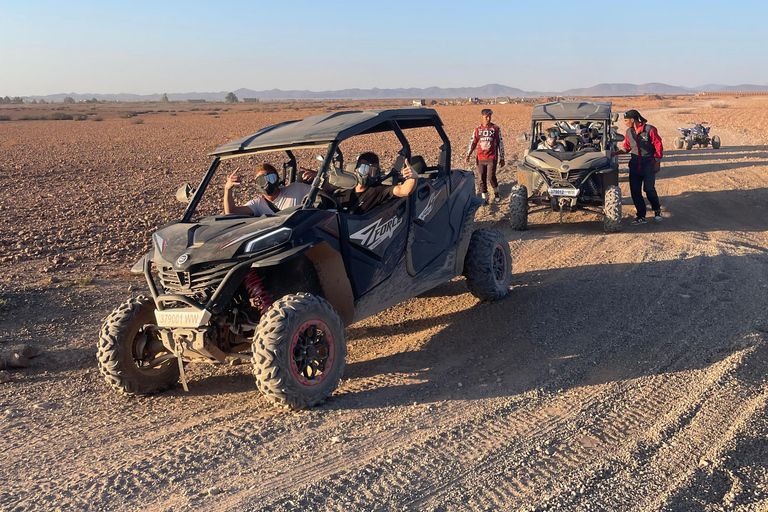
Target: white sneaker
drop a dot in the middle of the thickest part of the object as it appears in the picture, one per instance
(485, 198)
(658, 216)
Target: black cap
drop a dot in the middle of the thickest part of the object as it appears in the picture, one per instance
(634, 114)
(486, 111)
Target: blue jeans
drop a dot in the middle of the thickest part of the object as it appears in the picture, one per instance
(643, 180)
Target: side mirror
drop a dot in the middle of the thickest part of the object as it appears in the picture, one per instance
(617, 137)
(184, 193)
(523, 137)
(614, 117)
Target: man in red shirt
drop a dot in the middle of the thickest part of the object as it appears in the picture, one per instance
(490, 148)
(642, 141)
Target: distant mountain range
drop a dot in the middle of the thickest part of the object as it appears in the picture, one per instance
(486, 91)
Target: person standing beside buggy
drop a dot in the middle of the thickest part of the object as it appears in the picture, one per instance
(490, 149)
(642, 141)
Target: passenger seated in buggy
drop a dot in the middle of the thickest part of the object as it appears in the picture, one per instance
(550, 143)
(369, 192)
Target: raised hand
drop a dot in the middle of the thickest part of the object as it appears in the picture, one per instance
(233, 180)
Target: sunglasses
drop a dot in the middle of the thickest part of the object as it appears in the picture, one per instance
(552, 135)
(263, 180)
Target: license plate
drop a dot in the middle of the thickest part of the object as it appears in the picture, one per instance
(570, 192)
(182, 317)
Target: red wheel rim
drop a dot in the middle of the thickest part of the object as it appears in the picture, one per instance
(499, 265)
(312, 352)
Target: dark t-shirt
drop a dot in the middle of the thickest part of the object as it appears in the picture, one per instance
(365, 201)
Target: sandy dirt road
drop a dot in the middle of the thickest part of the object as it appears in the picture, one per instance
(623, 372)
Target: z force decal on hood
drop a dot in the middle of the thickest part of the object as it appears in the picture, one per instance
(373, 234)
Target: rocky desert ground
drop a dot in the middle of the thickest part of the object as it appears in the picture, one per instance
(624, 372)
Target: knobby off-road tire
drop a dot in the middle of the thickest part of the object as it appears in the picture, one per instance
(612, 210)
(488, 265)
(678, 143)
(125, 347)
(715, 142)
(518, 208)
(299, 351)
(688, 144)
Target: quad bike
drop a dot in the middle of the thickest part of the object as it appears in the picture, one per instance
(583, 176)
(698, 134)
(279, 290)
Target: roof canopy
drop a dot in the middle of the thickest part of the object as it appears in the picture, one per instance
(326, 128)
(580, 110)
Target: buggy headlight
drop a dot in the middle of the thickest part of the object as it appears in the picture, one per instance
(268, 240)
(535, 162)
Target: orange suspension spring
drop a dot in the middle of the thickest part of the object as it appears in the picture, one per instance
(256, 290)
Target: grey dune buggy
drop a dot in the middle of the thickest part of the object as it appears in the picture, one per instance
(582, 175)
(280, 289)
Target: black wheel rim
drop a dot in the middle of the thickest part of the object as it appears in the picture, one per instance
(312, 352)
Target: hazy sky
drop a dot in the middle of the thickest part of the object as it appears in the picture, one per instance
(143, 47)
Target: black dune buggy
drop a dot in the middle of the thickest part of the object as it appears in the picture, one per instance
(582, 174)
(281, 289)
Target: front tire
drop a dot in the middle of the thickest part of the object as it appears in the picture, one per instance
(518, 208)
(299, 351)
(126, 346)
(678, 143)
(688, 144)
(612, 209)
(715, 142)
(488, 265)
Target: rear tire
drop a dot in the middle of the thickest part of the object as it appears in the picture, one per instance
(688, 144)
(126, 345)
(518, 208)
(715, 142)
(488, 265)
(678, 143)
(612, 210)
(299, 351)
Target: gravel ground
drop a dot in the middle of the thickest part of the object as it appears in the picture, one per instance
(623, 372)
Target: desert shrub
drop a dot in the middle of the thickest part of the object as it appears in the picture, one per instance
(173, 113)
(138, 120)
(80, 117)
(80, 281)
(127, 114)
(720, 104)
(98, 119)
(60, 116)
(30, 118)
(5, 118)
(684, 112)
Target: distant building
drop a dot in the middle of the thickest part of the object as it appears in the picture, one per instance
(473, 101)
(419, 103)
(251, 100)
(195, 101)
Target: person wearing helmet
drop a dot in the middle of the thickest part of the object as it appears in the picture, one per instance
(272, 197)
(490, 148)
(369, 192)
(551, 143)
(642, 141)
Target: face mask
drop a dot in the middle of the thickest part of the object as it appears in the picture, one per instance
(267, 183)
(364, 174)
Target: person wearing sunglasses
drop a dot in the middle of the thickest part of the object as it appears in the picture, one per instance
(551, 143)
(369, 192)
(272, 197)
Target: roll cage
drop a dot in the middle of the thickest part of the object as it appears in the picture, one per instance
(326, 131)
